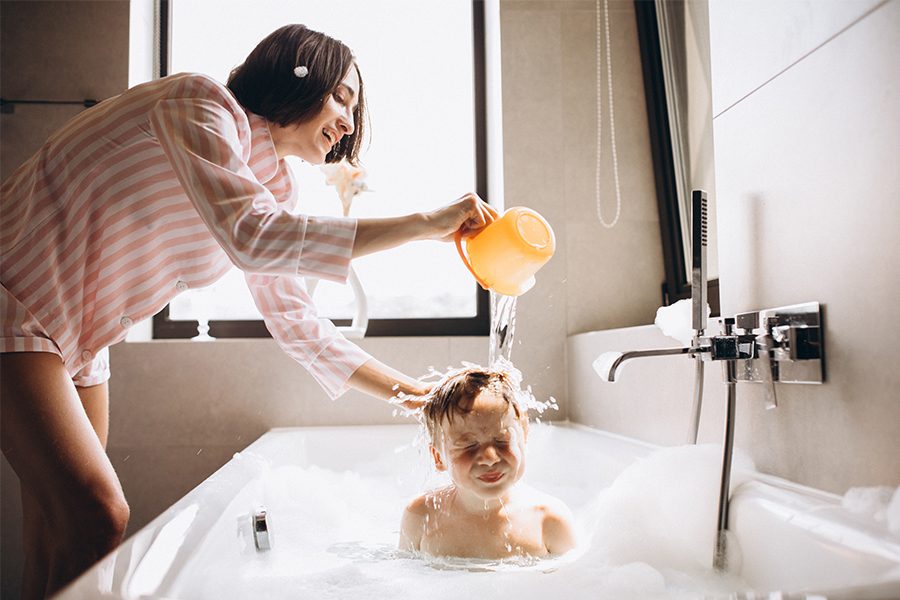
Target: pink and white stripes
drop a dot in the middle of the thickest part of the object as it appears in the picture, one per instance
(150, 193)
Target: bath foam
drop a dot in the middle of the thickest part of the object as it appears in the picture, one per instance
(335, 535)
(662, 510)
(675, 321)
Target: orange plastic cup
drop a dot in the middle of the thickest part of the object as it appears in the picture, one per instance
(505, 255)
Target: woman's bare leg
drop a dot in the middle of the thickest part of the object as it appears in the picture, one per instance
(53, 435)
(38, 545)
(36, 535)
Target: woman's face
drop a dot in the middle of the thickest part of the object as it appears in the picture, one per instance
(313, 140)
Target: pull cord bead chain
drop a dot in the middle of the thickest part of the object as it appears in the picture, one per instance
(612, 122)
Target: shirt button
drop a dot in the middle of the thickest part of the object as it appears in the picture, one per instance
(86, 355)
(181, 286)
(126, 322)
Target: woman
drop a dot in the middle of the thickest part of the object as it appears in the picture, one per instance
(160, 190)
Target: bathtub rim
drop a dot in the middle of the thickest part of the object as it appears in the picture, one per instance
(111, 568)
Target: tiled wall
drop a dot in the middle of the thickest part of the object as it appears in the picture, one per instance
(806, 135)
(599, 277)
(73, 67)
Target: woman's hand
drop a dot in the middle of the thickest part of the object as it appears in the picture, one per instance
(377, 379)
(468, 215)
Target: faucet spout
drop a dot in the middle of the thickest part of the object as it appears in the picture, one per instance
(608, 363)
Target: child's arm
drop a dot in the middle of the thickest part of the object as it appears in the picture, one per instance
(559, 529)
(413, 525)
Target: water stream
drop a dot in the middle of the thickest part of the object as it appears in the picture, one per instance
(503, 327)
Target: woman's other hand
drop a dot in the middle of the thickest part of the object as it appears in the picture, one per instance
(468, 215)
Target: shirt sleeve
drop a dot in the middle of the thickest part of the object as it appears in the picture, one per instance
(96, 372)
(315, 343)
(205, 135)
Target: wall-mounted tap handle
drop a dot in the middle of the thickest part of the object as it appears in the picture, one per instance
(768, 365)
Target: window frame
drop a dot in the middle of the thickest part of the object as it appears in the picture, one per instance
(479, 325)
(677, 285)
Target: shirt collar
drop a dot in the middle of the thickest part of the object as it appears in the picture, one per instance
(263, 159)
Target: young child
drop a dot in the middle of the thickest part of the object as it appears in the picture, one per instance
(478, 428)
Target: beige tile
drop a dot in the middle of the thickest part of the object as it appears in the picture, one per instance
(64, 69)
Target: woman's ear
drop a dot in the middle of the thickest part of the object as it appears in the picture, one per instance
(438, 462)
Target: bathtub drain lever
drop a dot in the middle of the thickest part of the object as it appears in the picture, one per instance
(261, 531)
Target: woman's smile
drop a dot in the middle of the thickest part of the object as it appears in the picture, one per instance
(332, 136)
(334, 121)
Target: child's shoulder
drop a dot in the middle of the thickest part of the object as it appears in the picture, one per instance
(557, 521)
(540, 500)
(429, 501)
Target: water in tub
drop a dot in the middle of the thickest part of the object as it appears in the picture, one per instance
(645, 533)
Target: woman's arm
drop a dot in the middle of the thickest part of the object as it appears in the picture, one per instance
(468, 214)
(377, 379)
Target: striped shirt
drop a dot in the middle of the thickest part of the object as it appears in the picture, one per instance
(151, 193)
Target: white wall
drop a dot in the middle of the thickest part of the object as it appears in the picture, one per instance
(806, 136)
(806, 168)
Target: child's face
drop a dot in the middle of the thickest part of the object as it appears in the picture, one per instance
(484, 450)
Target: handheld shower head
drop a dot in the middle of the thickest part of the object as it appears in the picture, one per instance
(698, 260)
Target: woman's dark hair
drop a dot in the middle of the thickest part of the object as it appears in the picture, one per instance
(266, 85)
(455, 396)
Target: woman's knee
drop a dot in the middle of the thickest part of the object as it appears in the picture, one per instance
(102, 524)
(91, 524)
(119, 514)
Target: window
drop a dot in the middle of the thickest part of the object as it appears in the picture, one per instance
(673, 38)
(423, 67)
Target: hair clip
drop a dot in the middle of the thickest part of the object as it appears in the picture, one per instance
(301, 72)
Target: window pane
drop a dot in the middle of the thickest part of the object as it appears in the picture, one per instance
(419, 88)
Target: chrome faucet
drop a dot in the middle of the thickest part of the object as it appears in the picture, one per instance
(776, 345)
(699, 219)
(781, 344)
(613, 360)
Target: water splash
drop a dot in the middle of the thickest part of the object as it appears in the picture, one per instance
(502, 335)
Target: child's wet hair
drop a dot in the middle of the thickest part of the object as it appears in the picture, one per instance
(455, 396)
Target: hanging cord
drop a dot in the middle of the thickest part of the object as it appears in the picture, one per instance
(612, 122)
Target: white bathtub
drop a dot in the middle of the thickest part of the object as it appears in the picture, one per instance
(334, 497)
